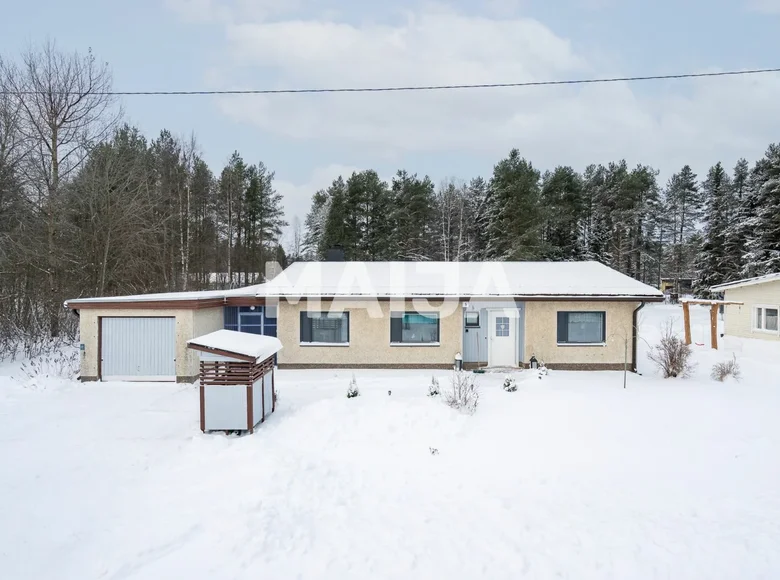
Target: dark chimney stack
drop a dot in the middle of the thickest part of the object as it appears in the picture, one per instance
(335, 254)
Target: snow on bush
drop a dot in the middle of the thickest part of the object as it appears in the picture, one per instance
(671, 355)
(433, 389)
(510, 385)
(353, 390)
(464, 392)
(730, 368)
(62, 363)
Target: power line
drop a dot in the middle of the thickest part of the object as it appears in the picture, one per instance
(430, 87)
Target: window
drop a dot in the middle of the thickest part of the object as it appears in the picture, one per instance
(582, 327)
(502, 326)
(414, 328)
(252, 319)
(766, 318)
(472, 318)
(324, 327)
(251, 322)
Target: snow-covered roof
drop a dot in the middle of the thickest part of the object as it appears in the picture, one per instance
(256, 346)
(451, 279)
(746, 282)
(247, 292)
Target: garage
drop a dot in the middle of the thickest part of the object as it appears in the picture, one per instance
(137, 348)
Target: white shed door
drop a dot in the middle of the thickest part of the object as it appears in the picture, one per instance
(138, 349)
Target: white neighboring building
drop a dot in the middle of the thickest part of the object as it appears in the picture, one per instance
(759, 316)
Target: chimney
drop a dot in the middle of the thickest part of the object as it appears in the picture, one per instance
(335, 254)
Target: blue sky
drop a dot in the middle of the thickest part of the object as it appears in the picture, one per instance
(308, 140)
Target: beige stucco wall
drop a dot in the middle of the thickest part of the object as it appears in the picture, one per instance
(189, 323)
(207, 320)
(541, 330)
(369, 337)
(738, 320)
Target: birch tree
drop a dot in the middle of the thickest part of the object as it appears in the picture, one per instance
(65, 109)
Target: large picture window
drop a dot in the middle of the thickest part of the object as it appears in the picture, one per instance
(324, 327)
(582, 327)
(766, 318)
(414, 328)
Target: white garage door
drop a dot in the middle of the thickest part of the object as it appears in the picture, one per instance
(138, 349)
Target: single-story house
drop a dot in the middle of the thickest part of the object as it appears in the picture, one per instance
(758, 316)
(571, 315)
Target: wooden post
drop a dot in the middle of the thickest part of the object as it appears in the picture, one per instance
(687, 321)
(714, 326)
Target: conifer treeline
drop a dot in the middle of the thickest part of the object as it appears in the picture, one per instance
(721, 228)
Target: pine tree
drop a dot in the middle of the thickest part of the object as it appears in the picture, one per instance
(593, 230)
(642, 199)
(684, 203)
(562, 208)
(412, 215)
(231, 187)
(313, 248)
(263, 220)
(478, 222)
(764, 244)
(515, 225)
(741, 211)
(369, 212)
(337, 232)
(712, 255)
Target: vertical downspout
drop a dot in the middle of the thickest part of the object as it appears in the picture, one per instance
(634, 334)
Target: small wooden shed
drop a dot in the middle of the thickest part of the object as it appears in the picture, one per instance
(236, 379)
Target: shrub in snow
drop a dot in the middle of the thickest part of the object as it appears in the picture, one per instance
(62, 363)
(464, 392)
(722, 370)
(433, 389)
(353, 390)
(671, 355)
(510, 385)
(433, 450)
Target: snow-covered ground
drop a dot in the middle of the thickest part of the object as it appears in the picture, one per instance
(570, 477)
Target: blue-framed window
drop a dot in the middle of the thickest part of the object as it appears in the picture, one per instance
(255, 320)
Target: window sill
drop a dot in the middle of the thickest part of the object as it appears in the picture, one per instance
(763, 331)
(412, 344)
(570, 344)
(342, 344)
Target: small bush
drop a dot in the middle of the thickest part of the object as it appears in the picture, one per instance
(464, 393)
(353, 390)
(433, 389)
(671, 355)
(722, 370)
(61, 363)
(510, 385)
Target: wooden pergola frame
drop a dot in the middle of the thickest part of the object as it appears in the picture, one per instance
(714, 304)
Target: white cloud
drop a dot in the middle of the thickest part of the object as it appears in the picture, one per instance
(690, 121)
(765, 6)
(665, 124)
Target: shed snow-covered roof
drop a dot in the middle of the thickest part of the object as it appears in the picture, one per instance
(746, 282)
(247, 292)
(450, 279)
(255, 346)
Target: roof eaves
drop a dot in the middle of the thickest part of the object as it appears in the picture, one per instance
(746, 282)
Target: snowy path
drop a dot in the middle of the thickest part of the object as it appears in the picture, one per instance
(570, 477)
